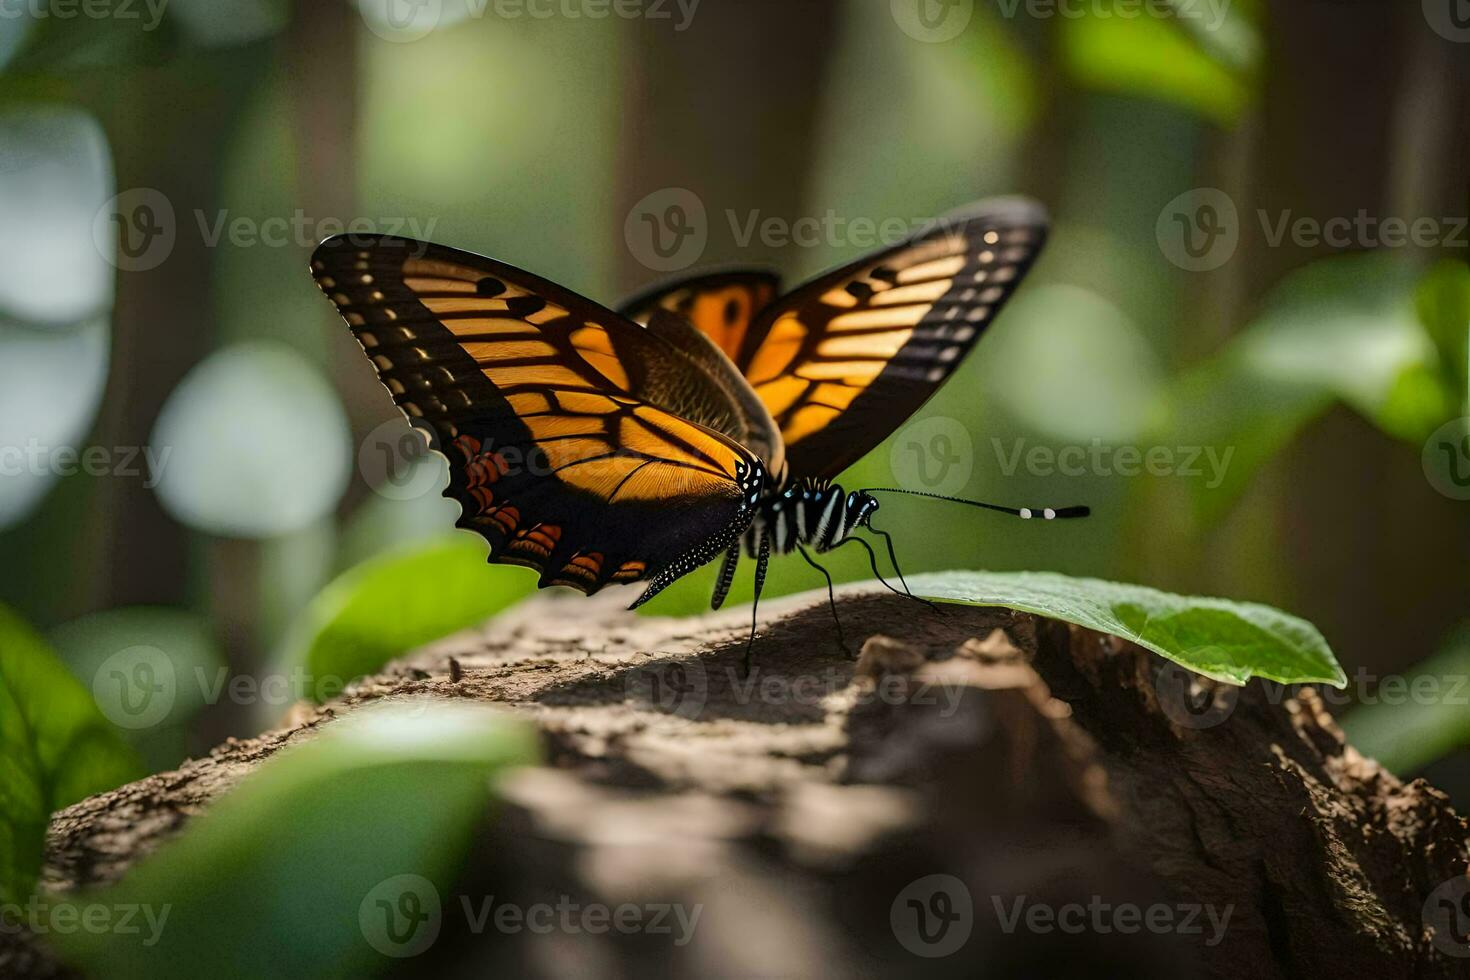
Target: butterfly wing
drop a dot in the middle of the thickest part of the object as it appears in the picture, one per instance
(721, 305)
(846, 358)
(579, 444)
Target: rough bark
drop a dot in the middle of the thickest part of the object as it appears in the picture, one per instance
(1030, 760)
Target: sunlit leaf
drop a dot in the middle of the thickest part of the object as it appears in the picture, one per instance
(1228, 641)
(257, 444)
(55, 749)
(1343, 328)
(293, 872)
(1443, 302)
(386, 607)
(1153, 58)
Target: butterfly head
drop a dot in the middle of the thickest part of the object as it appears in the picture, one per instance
(860, 507)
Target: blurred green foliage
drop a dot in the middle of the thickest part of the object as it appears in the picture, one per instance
(396, 602)
(55, 749)
(513, 138)
(316, 835)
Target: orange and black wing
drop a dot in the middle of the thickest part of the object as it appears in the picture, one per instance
(721, 305)
(845, 359)
(563, 452)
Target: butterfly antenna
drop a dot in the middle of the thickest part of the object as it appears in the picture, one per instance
(1025, 513)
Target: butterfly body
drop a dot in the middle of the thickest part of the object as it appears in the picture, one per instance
(811, 513)
(612, 447)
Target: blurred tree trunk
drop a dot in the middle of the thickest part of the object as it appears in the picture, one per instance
(1364, 107)
(107, 541)
(726, 109)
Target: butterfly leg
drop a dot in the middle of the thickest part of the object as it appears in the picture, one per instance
(762, 559)
(831, 601)
(727, 575)
(873, 563)
(893, 557)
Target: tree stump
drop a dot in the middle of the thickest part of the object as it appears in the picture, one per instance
(981, 792)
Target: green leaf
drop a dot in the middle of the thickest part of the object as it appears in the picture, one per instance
(393, 603)
(1206, 67)
(55, 749)
(284, 875)
(1343, 328)
(1443, 302)
(1228, 641)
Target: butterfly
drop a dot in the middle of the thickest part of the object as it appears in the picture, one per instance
(706, 416)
